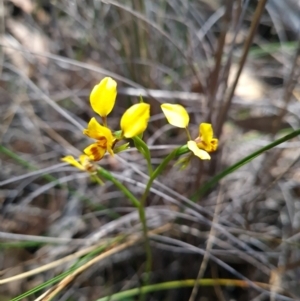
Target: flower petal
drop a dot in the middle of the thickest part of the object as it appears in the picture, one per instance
(206, 140)
(71, 160)
(86, 163)
(214, 144)
(176, 115)
(103, 96)
(84, 159)
(95, 151)
(202, 154)
(135, 120)
(101, 133)
(206, 132)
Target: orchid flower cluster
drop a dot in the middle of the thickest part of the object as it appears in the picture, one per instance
(133, 123)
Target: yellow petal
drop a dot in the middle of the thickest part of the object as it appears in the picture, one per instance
(135, 120)
(176, 115)
(103, 96)
(214, 144)
(207, 142)
(206, 132)
(72, 161)
(202, 154)
(96, 131)
(101, 133)
(84, 159)
(95, 151)
(86, 163)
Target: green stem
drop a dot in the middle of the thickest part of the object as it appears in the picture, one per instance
(142, 147)
(108, 176)
(176, 152)
(188, 134)
(97, 179)
(129, 294)
(183, 150)
(143, 220)
(153, 176)
(242, 162)
(141, 210)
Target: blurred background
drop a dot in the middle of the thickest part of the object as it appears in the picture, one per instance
(207, 55)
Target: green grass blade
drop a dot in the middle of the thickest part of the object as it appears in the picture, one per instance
(177, 284)
(241, 163)
(76, 265)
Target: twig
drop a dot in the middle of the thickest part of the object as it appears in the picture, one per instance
(289, 87)
(131, 241)
(50, 265)
(209, 246)
(163, 33)
(214, 76)
(40, 239)
(223, 111)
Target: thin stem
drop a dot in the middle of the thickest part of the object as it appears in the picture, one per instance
(143, 220)
(141, 210)
(188, 134)
(153, 176)
(97, 179)
(209, 245)
(214, 77)
(142, 147)
(108, 176)
(149, 166)
(182, 283)
(104, 120)
(141, 205)
(156, 173)
(255, 21)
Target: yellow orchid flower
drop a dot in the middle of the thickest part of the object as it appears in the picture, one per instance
(103, 96)
(204, 143)
(135, 120)
(83, 163)
(104, 137)
(205, 139)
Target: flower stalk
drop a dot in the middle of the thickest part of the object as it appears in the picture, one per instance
(133, 123)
